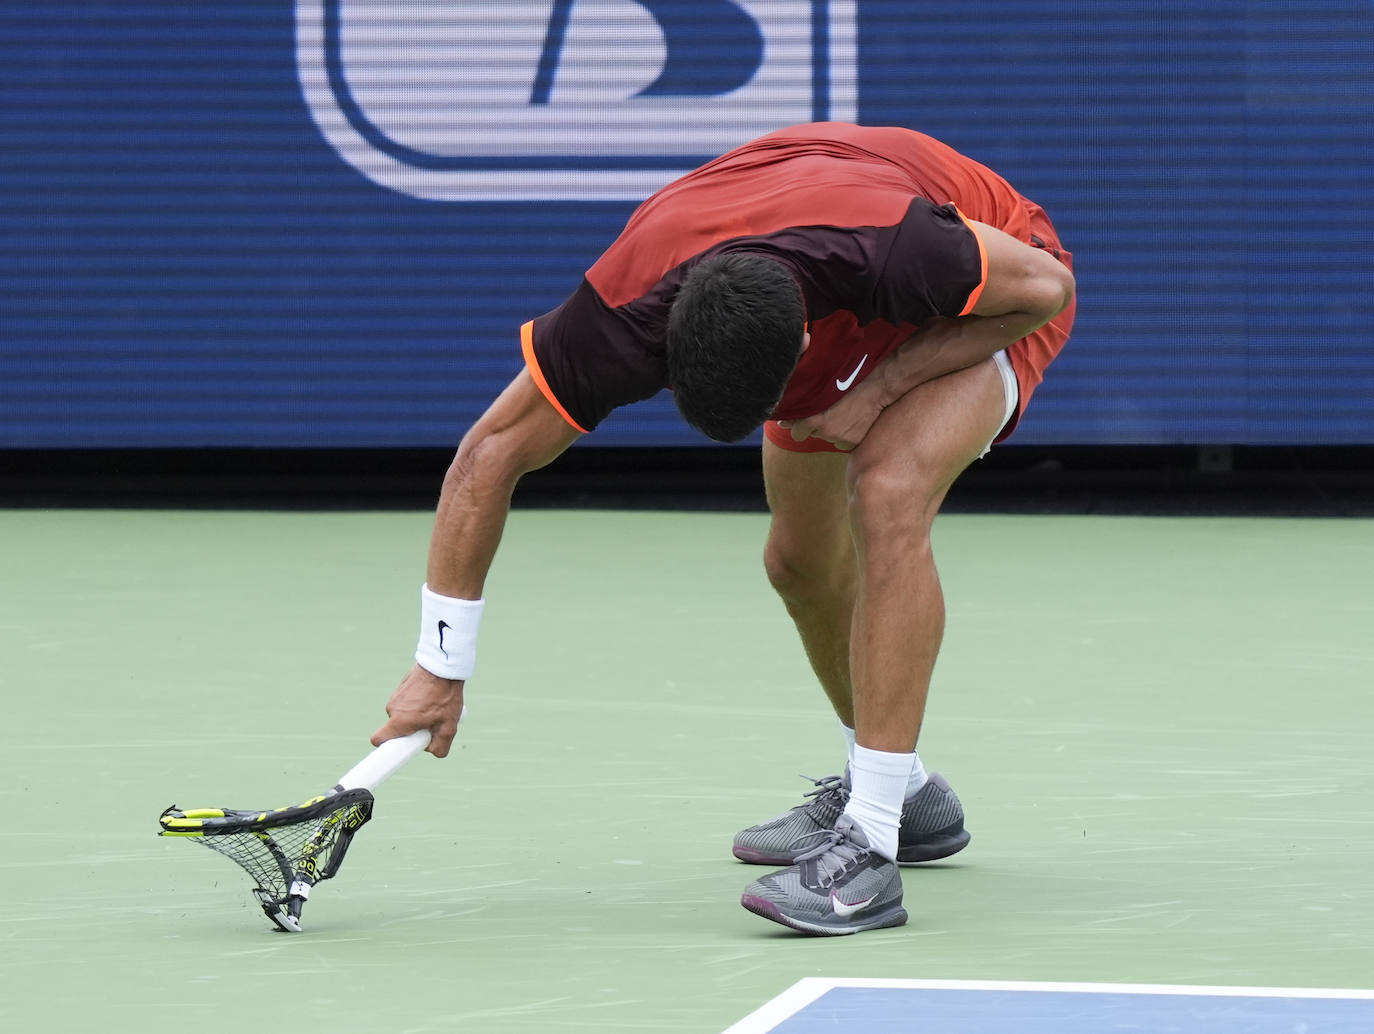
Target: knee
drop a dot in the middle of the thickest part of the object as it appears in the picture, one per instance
(802, 575)
(893, 507)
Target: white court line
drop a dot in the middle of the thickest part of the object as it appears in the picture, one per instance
(788, 1004)
(807, 990)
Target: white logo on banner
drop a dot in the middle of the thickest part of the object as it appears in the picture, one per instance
(454, 100)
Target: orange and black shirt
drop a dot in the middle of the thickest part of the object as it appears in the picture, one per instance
(872, 222)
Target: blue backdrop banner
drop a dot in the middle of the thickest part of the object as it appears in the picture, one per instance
(322, 223)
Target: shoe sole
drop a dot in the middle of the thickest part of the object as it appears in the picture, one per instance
(748, 854)
(934, 849)
(926, 851)
(769, 910)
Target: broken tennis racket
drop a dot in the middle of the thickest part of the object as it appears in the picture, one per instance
(287, 851)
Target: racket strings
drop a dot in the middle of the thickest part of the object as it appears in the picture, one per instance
(309, 851)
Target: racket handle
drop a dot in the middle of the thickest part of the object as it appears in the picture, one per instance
(384, 761)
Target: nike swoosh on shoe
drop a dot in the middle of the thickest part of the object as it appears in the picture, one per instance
(845, 909)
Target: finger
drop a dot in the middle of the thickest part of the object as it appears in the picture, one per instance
(382, 735)
(801, 432)
(442, 740)
(391, 730)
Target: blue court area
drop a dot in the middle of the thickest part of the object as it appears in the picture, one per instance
(819, 1006)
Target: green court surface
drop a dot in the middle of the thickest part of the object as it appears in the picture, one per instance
(1160, 728)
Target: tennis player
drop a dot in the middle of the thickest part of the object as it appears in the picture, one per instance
(884, 307)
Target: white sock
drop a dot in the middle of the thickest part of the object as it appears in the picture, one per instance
(919, 777)
(877, 787)
(849, 743)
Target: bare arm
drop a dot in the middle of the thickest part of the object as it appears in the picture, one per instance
(1025, 288)
(520, 432)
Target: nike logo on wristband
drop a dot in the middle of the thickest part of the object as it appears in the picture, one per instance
(843, 385)
(844, 910)
(443, 625)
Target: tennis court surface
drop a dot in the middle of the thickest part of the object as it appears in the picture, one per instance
(1159, 727)
(989, 1007)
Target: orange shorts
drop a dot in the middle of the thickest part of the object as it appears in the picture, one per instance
(1029, 356)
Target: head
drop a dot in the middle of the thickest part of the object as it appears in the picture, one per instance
(735, 333)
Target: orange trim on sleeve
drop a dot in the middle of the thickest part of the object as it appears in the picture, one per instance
(983, 258)
(527, 347)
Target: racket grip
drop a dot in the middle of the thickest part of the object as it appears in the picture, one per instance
(384, 761)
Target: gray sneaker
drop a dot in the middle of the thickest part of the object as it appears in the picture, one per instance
(932, 825)
(837, 886)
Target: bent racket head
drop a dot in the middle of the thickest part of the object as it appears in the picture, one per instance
(286, 851)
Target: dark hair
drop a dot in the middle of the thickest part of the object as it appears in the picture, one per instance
(734, 337)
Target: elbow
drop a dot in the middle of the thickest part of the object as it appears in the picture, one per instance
(518, 433)
(483, 465)
(494, 455)
(1040, 289)
(1067, 288)
(1055, 288)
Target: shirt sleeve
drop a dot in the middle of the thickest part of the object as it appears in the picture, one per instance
(588, 358)
(935, 266)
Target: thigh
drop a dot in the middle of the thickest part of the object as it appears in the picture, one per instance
(808, 498)
(924, 440)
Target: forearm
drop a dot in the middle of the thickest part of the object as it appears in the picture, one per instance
(1024, 288)
(468, 524)
(519, 432)
(948, 345)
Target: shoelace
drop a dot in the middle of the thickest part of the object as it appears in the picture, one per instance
(835, 855)
(824, 787)
(827, 786)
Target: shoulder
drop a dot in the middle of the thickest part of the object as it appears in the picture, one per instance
(589, 357)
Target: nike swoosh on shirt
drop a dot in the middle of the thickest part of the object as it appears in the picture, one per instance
(844, 909)
(843, 385)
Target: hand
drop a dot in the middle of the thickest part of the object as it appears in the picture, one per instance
(424, 701)
(846, 423)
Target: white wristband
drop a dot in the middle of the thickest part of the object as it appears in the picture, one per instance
(447, 646)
